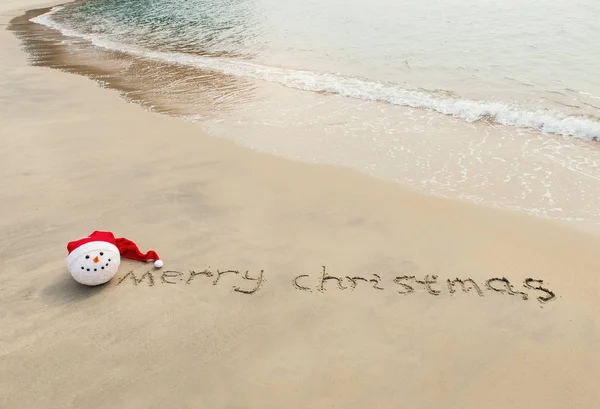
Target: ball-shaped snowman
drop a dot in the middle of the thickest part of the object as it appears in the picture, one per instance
(94, 263)
(94, 260)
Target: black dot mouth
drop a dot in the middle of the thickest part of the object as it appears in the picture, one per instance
(88, 269)
(102, 268)
(83, 268)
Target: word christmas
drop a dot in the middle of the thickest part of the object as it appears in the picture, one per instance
(404, 285)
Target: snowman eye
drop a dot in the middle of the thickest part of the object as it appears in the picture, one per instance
(101, 253)
(87, 256)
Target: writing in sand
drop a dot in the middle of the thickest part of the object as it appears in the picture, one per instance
(405, 285)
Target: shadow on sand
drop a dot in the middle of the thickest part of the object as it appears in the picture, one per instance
(65, 290)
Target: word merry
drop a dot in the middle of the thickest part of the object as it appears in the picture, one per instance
(253, 284)
(406, 285)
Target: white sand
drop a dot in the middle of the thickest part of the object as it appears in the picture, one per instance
(76, 158)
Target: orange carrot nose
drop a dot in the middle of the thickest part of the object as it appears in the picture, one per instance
(96, 259)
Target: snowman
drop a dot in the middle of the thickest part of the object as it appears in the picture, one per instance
(95, 259)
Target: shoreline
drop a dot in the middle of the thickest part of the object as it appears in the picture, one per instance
(76, 157)
(544, 195)
(44, 6)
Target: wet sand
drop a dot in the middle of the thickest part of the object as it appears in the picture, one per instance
(279, 329)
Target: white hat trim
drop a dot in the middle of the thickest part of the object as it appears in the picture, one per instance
(90, 246)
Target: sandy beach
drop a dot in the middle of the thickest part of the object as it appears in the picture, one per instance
(285, 285)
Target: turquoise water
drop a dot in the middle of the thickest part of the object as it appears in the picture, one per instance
(490, 101)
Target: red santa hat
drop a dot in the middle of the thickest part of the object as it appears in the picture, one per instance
(101, 240)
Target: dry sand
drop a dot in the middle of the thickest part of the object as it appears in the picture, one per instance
(76, 158)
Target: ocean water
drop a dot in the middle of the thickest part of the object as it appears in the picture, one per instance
(491, 101)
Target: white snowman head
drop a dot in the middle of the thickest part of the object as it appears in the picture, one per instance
(94, 263)
(95, 259)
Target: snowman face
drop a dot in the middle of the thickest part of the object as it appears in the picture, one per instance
(95, 266)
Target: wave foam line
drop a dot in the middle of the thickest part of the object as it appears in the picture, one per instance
(542, 120)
